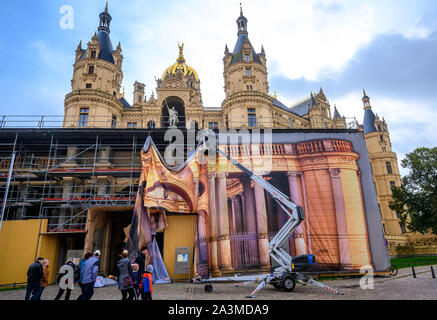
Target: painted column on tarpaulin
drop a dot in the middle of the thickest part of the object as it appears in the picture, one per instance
(340, 215)
(262, 227)
(249, 216)
(202, 192)
(223, 224)
(213, 248)
(299, 240)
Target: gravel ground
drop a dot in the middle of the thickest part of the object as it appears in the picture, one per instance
(401, 287)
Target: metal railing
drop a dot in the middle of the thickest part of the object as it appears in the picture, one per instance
(127, 122)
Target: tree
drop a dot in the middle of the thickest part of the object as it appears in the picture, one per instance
(416, 199)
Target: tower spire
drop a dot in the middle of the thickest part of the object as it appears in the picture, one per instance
(242, 22)
(366, 101)
(105, 20)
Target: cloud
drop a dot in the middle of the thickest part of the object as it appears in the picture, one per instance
(49, 56)
(307, 40)
(391, 66)
(411, 123)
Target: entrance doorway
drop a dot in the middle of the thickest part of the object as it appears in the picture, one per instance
(119, 221)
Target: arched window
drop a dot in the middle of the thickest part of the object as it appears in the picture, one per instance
(151, 124)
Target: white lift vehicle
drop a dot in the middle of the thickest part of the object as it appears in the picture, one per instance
(287, 274)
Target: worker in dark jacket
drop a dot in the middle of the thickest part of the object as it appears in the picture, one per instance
(143, 260)
(34, 276)
(64, 282)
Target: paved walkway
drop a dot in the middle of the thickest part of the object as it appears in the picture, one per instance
(401, 287)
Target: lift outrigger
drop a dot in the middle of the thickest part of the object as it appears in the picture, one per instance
(291, 269)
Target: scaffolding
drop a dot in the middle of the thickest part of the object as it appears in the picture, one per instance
(60, 174)
(47, 175)
(209, 121)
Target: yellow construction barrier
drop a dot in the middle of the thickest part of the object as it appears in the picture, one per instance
(18, 244)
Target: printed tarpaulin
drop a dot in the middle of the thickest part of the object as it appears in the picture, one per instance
(163, 189)
(236, 218)
(159, 274)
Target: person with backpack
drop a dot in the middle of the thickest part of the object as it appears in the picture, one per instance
(125, 277)
(65, 284)
(89, 276)
(146, 284)
(81, 267)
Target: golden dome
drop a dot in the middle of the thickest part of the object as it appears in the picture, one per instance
(180, 65)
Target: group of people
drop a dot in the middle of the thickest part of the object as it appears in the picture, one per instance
(134, 279)
(37, 278)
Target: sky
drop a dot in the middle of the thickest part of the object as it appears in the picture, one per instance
(388, 47)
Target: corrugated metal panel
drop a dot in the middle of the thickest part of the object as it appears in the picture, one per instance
(49, 249)
(180, 232)
(18, 241)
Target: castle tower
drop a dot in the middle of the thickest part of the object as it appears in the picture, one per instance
(384, 165)
(95, 100)
(247, 103)
(139, 93)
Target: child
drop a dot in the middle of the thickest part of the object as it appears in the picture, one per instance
(146, 284)
(137, 279)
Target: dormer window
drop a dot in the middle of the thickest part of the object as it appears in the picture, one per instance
(93, 54)
(247, 57)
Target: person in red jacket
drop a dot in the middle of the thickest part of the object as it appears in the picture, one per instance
(146, 284)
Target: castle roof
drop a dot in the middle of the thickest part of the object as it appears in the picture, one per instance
(369, 121)
(237, 55)
(125, 103)
(181, 66)
(301, 108)
(336, 114)
(106, 46)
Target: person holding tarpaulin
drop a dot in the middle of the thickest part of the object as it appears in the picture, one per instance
(143, 260)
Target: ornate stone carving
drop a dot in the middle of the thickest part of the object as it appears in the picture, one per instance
(314, 161)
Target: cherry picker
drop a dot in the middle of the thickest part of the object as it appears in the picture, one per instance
(291, 269)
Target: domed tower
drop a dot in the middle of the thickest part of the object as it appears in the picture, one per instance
(95, 100)
(384, 165)
(179, 91)
(247, 103)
